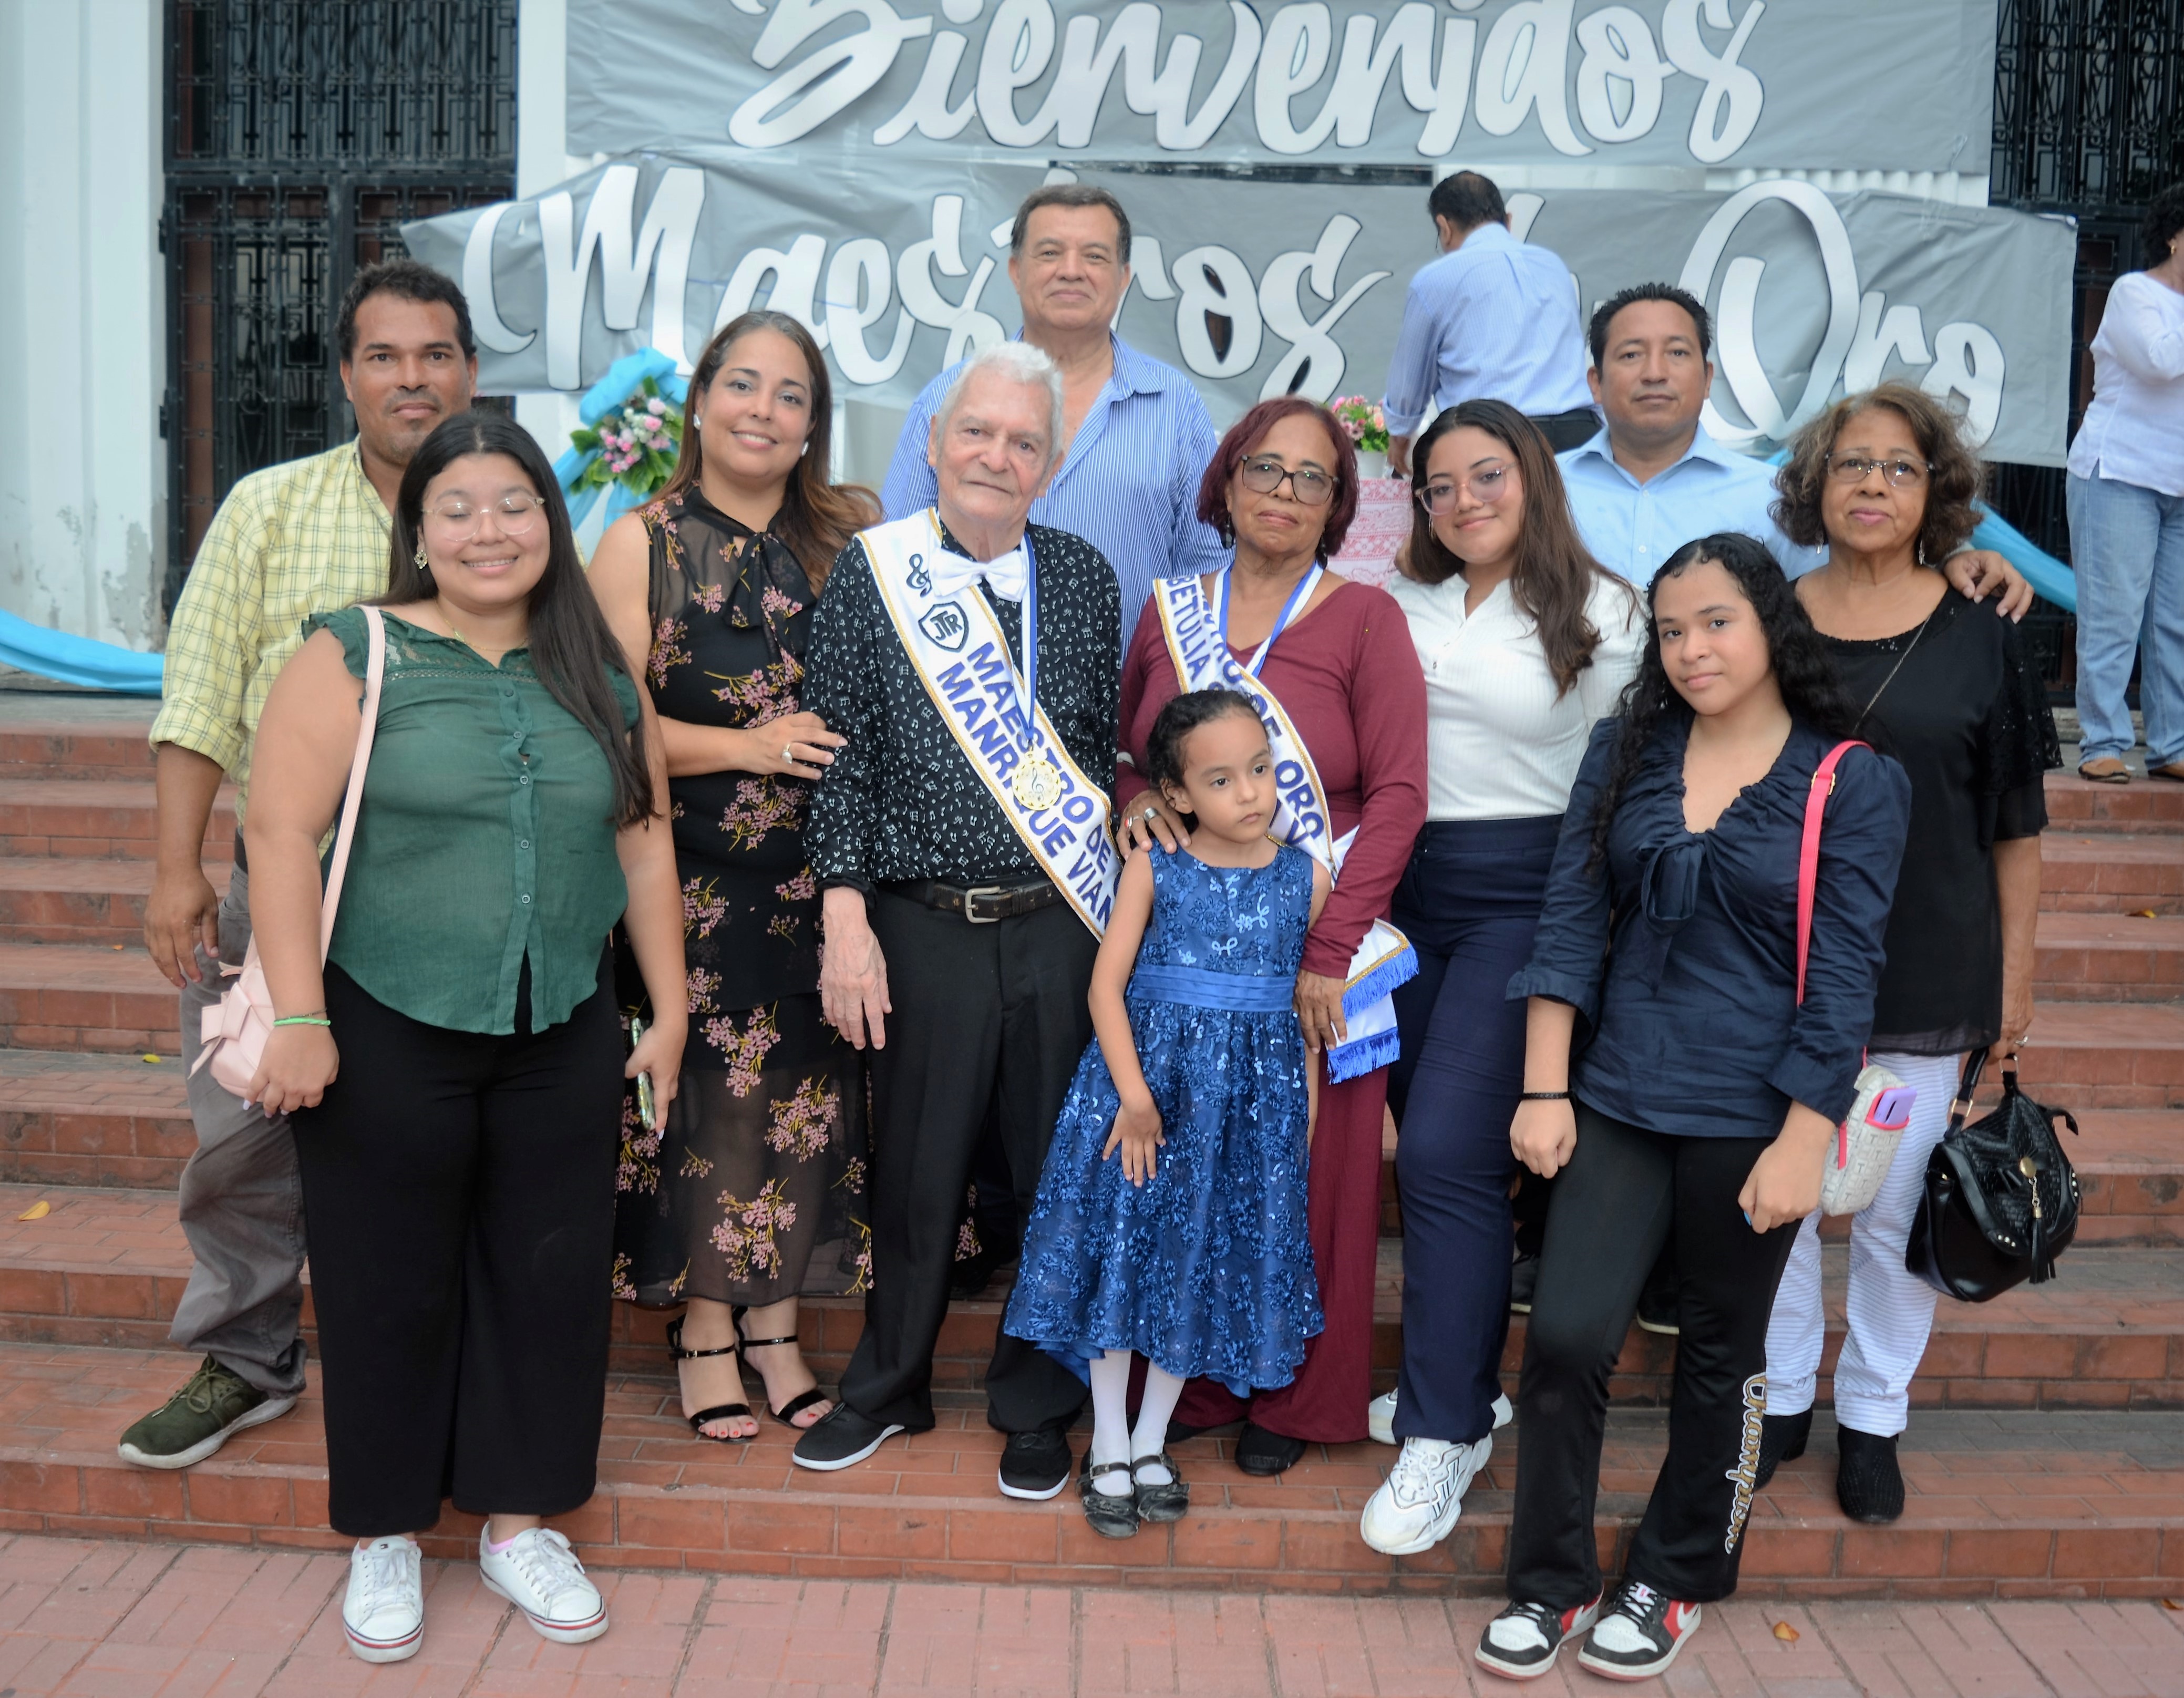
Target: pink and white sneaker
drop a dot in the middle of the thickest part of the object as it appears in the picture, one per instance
(1638, 1634)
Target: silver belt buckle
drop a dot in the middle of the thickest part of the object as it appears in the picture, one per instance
(970, 899)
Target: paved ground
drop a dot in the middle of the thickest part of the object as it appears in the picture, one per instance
(130, 1621)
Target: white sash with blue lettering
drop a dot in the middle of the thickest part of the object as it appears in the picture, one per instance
(961, 657)
(1386, 959)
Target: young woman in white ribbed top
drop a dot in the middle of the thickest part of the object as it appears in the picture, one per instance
(1526, 640)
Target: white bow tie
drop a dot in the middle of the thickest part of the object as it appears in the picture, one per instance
(952, 572)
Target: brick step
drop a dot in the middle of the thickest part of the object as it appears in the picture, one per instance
(107, 1267)
(52, 900)
(97, 818)
(84, 996)
(2010, 1504)
(2108, 958)
(2107, 1056)
(2145, 804)
(2111, 872)
(105, 737)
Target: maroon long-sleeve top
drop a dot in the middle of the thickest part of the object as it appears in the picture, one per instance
(1348, 676)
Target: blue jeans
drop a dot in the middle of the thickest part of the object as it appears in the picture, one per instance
(2127, 549)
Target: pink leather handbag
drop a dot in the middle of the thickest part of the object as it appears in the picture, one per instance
(237, 1028)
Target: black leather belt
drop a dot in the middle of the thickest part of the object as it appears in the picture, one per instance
(982, 905)
(241, 862)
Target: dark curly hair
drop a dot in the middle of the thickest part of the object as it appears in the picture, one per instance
(2163, 220)
(1173, 728)
(1555, 572)
(1803, 669)
(1242, 440)
(1955, 475)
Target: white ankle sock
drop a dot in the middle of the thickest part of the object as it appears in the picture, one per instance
(1149, 1437)
(1111, 1420)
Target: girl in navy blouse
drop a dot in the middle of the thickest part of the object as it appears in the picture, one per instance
(1699, 1097)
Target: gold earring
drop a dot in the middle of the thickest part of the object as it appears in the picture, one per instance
(419, 560)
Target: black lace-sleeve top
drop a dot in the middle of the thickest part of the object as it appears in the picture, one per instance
(1967, 718)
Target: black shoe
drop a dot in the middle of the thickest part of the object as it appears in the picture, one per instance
(1266, 1454)
(1113, 1514)
(1178, 1431)
(1170, 1501)
(841, 1438)
(1638, 1634)
(969, 1278)
(1657, 1311)
(1035, 1465)
(1782, 1439)
(1869, 1485)
(1524, 1281)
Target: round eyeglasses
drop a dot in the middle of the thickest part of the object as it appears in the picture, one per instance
(458, 517)
(1307, 484)
(1439, 497)
(1900, 473)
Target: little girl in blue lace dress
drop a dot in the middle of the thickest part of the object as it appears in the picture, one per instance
(1171, 1214)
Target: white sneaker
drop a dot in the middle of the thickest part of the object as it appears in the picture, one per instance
(1419, 1501)
(541, 1576)
(384, 1613)
(1380, 1417)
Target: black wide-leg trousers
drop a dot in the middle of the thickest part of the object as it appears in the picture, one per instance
(1625, 1193)
(986, 1017)
(460, 1189)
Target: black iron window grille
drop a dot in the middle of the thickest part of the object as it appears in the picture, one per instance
(300, 134)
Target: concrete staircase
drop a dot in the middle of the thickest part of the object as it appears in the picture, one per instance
(2047, 1455)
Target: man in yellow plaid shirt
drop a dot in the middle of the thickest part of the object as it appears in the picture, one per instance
(304, 537)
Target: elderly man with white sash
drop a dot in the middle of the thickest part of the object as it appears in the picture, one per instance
(1331, 669)
(963, 842)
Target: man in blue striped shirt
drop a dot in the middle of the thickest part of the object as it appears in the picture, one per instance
(1136, 435)
(1493, 319)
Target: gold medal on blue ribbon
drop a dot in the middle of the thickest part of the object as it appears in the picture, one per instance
(1035, 783)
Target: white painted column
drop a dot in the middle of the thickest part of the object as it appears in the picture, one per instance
(542, 160)
(83, 355)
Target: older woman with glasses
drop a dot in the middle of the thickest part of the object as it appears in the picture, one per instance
(1884, 481)
(1526, 642)
(1332, 660)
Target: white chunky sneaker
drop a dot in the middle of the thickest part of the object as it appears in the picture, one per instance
(384, 1613)
(1423, 1495)
(1380, 1417)
(541, 1576)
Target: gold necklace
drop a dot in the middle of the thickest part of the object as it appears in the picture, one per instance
(440, 603)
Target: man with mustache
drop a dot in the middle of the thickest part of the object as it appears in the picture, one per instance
(307, 536)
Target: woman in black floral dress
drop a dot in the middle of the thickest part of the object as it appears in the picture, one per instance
(755, 1192)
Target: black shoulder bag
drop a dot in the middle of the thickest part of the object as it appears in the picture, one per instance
(2000, 1202)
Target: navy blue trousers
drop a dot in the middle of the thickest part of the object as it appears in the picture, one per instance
(1470, 902)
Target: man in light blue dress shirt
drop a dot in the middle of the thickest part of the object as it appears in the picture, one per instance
(1493, 319)
(1137, 435)
(1653, 479)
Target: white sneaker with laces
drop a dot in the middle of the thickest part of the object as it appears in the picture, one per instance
(384, 1613)
(541, 1576)
(1419, 1501)
(1380, 1417)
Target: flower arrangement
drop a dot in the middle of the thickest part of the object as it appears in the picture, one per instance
(1364, 420)
(633, 446)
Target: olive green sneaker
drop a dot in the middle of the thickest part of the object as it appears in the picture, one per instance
(197, 1420)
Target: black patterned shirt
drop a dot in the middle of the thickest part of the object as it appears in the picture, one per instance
(900, 800)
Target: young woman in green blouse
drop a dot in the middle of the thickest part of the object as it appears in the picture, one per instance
(455, 1073)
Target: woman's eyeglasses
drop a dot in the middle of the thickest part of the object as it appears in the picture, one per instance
(1308, 484)
(516, 514)
(1439, 497)
(1900, 473)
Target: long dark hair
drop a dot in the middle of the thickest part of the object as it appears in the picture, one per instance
(1803, 669)
(571, 648)
(816, 518)
(1555, 572)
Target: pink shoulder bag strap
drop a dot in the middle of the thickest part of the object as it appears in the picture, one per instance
(1808, 852)
(239, 1023)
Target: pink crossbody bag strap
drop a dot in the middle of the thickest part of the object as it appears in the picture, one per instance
(235, 1029)
(1808, 852)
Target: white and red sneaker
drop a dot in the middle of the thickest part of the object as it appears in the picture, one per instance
(1638, 1634)
(1523, 1641)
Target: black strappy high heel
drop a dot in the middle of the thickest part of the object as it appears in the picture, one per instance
(719, 1412)
(802, 1400)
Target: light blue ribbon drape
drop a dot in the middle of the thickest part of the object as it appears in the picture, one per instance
(77, 660)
